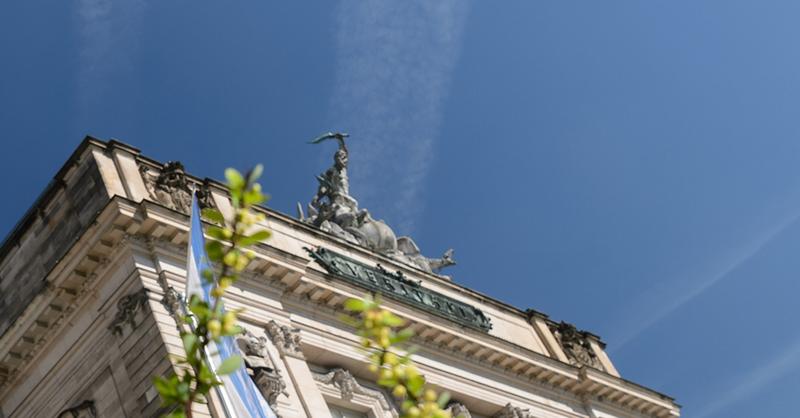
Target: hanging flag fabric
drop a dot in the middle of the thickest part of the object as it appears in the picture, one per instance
(240, 396)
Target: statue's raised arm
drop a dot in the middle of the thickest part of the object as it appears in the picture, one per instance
(339, 136)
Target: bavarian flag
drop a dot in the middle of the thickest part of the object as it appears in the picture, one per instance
(239, 395)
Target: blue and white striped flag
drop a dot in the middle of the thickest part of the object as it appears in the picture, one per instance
(240, 396)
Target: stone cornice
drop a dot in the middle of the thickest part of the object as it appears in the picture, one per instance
(312, 283)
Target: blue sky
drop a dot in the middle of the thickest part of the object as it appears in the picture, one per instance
(628, 166)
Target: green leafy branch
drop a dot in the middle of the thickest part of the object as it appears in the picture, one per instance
(206, 322)
(381, 334)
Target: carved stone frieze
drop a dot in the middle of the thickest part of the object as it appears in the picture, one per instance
(349, 386)
(576, 345)
(510, 411)
(85, 409)
(397, 286)
(458, 410)
(287, 340)
(173, 189)
(127, 307)
(266, 376)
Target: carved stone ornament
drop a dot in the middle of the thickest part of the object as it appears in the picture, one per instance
(127, 307)
(172, 188)
(334, 211)
(510, 411)
(458, 410)
(349, 386)
(576, 345)
(267, 378)
(397, 286)
(172, 299)
(286, 339)
(85, 409)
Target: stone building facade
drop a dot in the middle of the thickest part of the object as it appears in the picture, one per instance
(91, 277)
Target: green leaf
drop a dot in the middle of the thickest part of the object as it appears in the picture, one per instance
(355, 305)
(393, 320)
(199, 308)
(234, 330)
(235, 179)
(178, 413)
(214, 250)
(255, 173)
(255, 238)
(213, 215)
(230, 365)
(189, 341)
(402, 336)
(217, 233)
(443, 399)
(164, 387)
(415, 384)
(183, 391)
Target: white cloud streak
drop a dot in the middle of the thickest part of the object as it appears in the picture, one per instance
(754, 380)
(394, 65)
(664, 300)
(109, 32)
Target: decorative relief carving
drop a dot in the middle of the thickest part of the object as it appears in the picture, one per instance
(85, 409)
(204, 197)
(397, 286)
(127, 307)
(349, 386)
(260, 368)
(458, 410)
(286, 339)
(172, 188)
(576, 345)
(172, 299)
(510, 411)
(169, 187)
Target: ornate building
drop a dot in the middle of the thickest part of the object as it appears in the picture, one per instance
(90, 281)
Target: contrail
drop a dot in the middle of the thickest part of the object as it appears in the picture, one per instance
(655, 305)
(394, 65)
(750, 383)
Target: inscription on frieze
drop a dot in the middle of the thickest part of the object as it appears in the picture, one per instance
(396, 286)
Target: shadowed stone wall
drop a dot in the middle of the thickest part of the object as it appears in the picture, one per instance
(45, 234)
